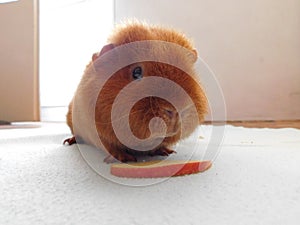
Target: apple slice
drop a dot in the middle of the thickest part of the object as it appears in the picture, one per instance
(159, 168)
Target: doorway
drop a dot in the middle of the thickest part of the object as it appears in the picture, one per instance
(70, 32)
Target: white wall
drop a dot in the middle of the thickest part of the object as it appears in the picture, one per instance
(18, 61)
(252, 46)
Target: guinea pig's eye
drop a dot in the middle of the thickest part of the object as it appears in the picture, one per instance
(137, 73)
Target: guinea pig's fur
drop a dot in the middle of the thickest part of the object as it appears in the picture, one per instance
(145, 109)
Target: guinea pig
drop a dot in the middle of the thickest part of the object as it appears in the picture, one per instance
(146, 88)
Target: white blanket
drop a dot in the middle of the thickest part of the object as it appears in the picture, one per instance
(254, 180)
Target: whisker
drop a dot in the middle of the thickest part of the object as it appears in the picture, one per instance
(186, 108)
(119, 118)
(151, 105)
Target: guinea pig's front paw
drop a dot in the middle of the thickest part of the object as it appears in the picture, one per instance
(163, 151)
(70, 141)
(119, 156)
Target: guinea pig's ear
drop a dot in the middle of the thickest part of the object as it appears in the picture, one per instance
(194, 55)
(105, 49)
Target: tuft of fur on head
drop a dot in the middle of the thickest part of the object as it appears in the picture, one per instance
(133, 30)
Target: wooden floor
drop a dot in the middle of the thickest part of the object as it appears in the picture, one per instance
(266, 124)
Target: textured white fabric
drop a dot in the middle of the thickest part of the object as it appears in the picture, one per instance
(254, 180)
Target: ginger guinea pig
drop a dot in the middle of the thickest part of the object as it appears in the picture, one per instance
(139, 95)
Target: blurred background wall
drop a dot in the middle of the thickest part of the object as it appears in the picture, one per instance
(19, 91)
(253, 47)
